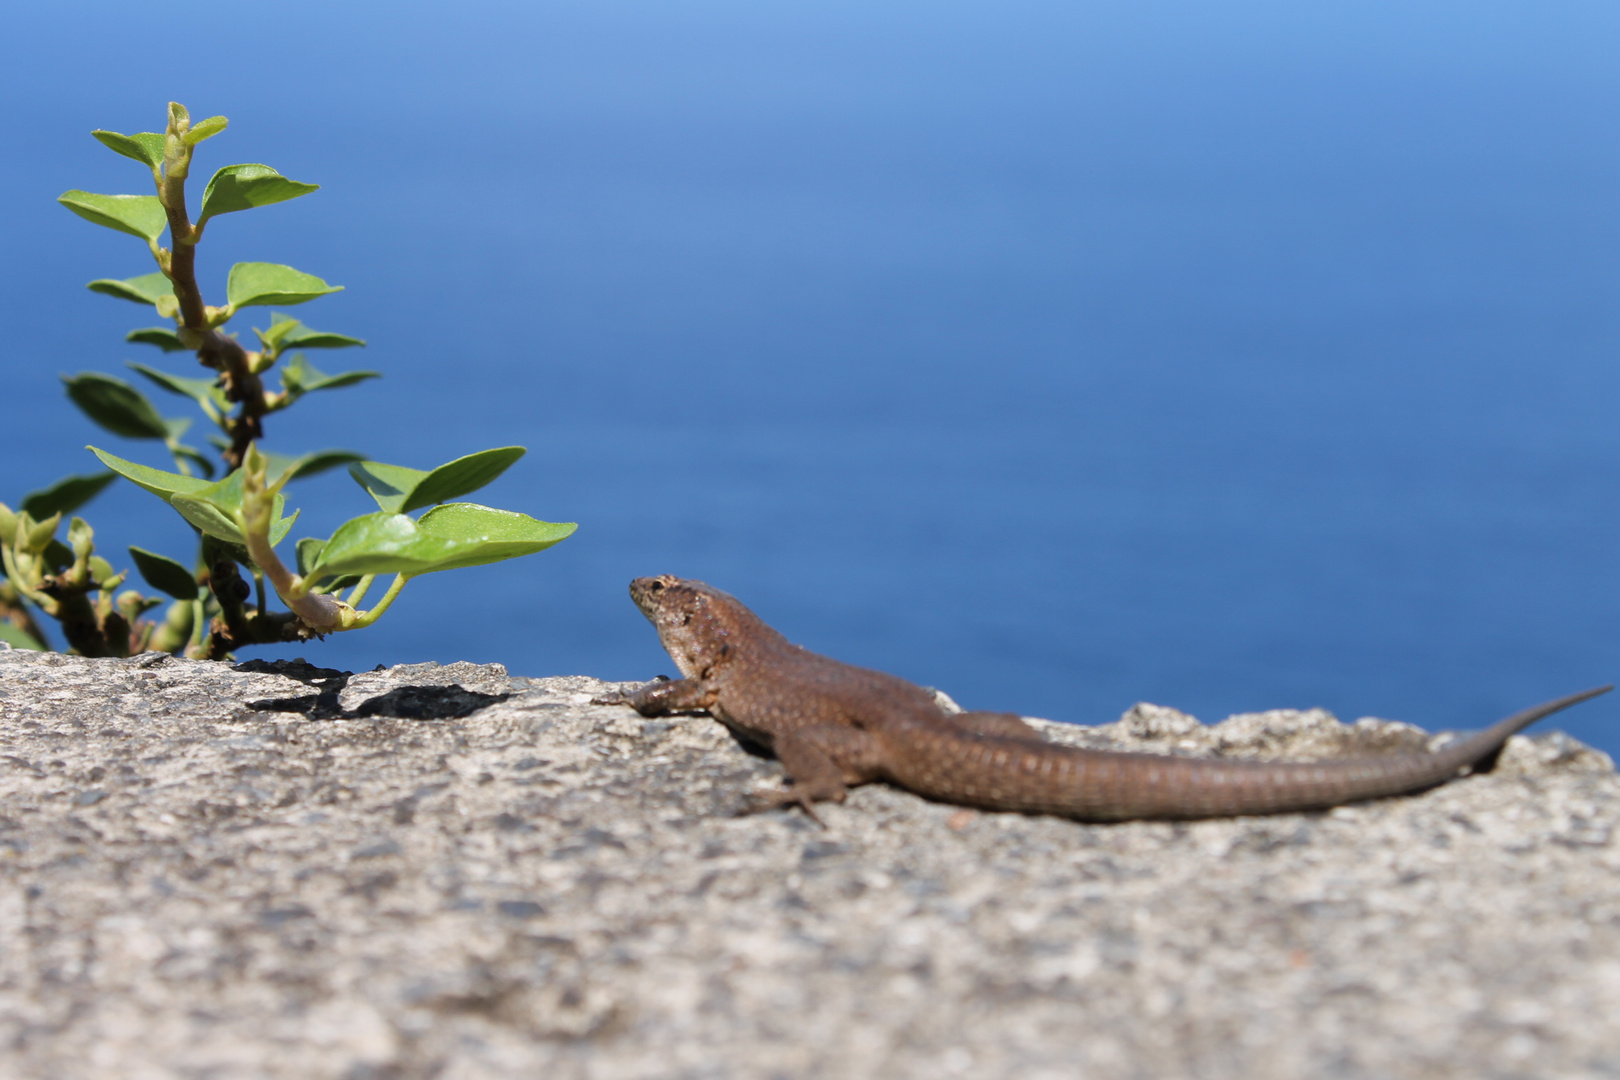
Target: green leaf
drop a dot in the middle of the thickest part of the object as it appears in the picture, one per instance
(462, 476)
(213, 509)
(280, 326)
(58, 556)
(102, 573)
(382, 543)
(204, 129)
(318, 461)
(389, 485)
(398, 489)
(492, 535)
(242, 187)
(178, 426)
(164, 574)
(33, 536)
(281, 526)
(159, 483)
(145, 147)
(299, 377)
(309, 550)
(138, 215)
(190, 453)
(271, 283)
(288, 333)
(66, 495)
(115, 405)
(161, 336)
(146, 289)
(19, 639)
(204, 392)
(461, 534)
(314, 340)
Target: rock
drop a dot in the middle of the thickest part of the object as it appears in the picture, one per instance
(279, 870)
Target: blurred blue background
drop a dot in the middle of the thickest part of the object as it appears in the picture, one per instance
(1229, 356)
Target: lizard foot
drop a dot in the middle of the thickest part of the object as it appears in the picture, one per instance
(803, 796)
(619, 697)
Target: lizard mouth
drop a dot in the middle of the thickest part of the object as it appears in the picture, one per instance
(646, 591)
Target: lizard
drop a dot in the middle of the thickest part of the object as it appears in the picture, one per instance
(833, 725)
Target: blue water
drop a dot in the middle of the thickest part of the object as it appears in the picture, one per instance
(1229, 356)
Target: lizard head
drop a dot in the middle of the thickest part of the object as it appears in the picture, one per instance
(697, 624)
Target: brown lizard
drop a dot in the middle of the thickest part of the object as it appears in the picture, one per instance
(833, 725)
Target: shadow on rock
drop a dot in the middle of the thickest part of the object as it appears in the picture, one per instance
(403, 702)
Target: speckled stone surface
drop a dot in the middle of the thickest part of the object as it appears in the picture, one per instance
(442, 872)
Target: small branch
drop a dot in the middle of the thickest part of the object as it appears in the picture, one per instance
(85, 632)
(322, 613)
(215, 349)
(366, 618)
(237, 625)
(19, 581)
(197, 647)
(231, 591)
(360, 589)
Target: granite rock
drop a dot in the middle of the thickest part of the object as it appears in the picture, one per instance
(280, 870)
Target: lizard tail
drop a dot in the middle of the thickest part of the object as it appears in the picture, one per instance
(1003, 773)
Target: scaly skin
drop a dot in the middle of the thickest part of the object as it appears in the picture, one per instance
(833, 725)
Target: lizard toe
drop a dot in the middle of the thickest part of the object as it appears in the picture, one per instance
(792, 795)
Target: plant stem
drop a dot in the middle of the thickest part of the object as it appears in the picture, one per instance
(19, 580)
(197, 647)
(214, 349)
(366, 618)
(360, 590)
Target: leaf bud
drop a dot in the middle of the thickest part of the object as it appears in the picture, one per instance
(81, 537)
(34, 537)
(204, 129)
(133, 605)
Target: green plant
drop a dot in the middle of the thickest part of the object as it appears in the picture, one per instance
(240, 518)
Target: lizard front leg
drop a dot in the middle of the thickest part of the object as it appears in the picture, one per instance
(662, 697)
